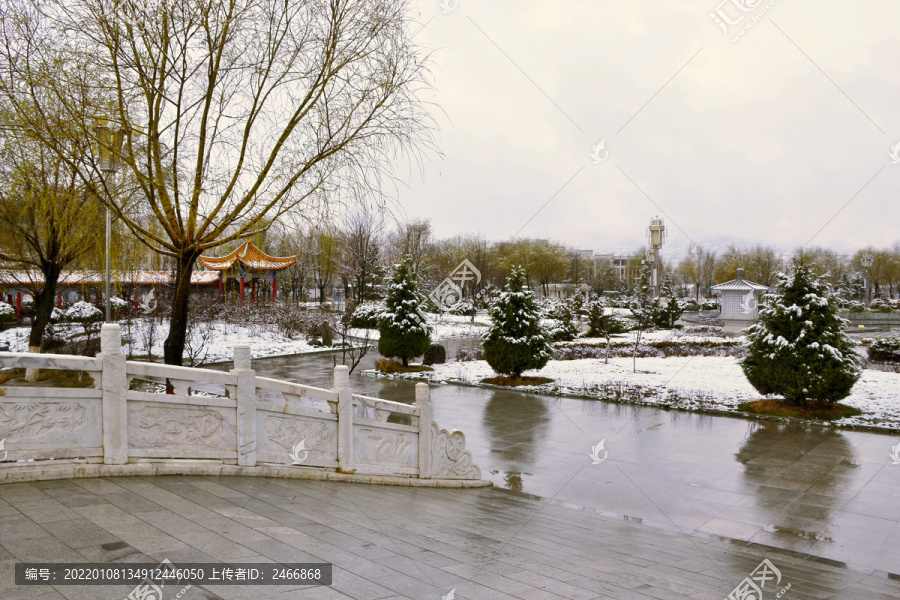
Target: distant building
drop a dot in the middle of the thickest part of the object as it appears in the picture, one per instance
(739, 298)
(618, 261)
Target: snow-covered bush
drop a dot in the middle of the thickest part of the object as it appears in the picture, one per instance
(463, 308)
(670, 308)
(564, 327)
(709, 305)
(516, 341)
(603, 324)
(799, 349)
(366, 315)
(53, 339)
(117, 303)
(83, 311)
(856, 307)
(57, 315)
(7, 312)
(886, 349)
(404, 332)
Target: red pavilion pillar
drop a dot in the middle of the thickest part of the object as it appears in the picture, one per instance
(59, 301)
(18, 307)
(253, 290)
(274, 287)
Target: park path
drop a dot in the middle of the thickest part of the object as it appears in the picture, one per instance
(387, 542)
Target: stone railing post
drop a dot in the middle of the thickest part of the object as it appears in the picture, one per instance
(423, 404)
(114, 387)
(345, 419)
(246, 406)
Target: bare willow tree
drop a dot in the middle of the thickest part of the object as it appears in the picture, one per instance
(234, 113)
(48, 219)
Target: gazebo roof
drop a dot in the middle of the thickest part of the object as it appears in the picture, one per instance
(251, 257)
(738, 285)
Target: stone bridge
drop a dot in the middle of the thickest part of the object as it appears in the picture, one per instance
(218, 423)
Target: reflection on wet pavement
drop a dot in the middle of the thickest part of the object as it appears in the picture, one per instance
(813, 490)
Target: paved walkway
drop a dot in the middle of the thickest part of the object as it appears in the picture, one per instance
(388, 542)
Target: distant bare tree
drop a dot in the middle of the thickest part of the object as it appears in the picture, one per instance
(361, 251)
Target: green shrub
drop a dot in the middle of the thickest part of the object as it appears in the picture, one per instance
(886, 349)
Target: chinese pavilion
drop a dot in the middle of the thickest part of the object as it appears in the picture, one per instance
(248, 261)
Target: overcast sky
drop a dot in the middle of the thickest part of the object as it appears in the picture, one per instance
(780, 137)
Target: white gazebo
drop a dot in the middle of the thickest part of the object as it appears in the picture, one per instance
(739, 298)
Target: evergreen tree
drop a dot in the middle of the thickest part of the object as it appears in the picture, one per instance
(603, 324)
(644, 307)
(798, 349)
(566, 329)
(404, 332)
(516, 341)
(669, 308)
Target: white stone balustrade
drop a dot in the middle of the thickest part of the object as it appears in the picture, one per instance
(259, 422)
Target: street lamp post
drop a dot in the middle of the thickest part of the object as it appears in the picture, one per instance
(110, 146)
(866, 262)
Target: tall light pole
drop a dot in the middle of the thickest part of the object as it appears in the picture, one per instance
(866, 262)
(657, 234)
(110, 147)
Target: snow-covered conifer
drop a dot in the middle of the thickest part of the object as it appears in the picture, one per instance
(516, 341)
(799, 349)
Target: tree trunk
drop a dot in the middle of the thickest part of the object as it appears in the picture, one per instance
(174, 344)
(43, 308)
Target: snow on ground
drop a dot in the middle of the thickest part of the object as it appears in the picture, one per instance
(445, 327)
(214, 343)
(699, 382)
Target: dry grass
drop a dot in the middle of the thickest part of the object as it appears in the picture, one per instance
(48, 378)
(389, 367)
(516, 381)
(816, 411)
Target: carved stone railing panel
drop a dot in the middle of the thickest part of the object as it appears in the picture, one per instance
(315, 439)
(34, 422)
(194, 431)
(378, 447)
(450, 459)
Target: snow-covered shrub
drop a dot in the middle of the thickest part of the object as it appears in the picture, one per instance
(117, 303)
(886, 349)
(57, 314)
(856, 307)
(701, 330)
(603, 324)
(709, 305)
(516, 341)
(404, 332)
(799, 349)
(83, 311)
(564, 327)
(7, 312)
(884, 308)
(53, 338)
(366, 315)
(464, 355)
(670, 308)
(464, 308)
(690, 305)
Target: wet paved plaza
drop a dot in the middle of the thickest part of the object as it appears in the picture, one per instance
(681, 505)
